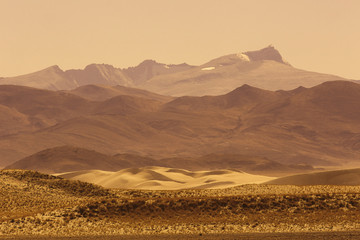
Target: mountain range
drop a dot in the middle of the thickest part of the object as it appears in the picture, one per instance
(263, 68)
(69, 159)
(251, 111)
(316, 126)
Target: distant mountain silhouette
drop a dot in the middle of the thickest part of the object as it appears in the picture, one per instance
(268, 53)
(53, 78)
(264, 68)
(150, 68)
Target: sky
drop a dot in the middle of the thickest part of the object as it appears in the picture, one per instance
(321, 35)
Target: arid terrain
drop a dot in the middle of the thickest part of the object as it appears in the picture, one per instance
(315, 126)
(126, 163)
(293, 121)
(33, 206)
(160, 178)
(179, 119)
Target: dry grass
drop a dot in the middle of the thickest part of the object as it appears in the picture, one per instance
(34, 203)
(25, 193)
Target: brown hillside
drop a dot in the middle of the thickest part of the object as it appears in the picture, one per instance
(101, 93)
(244, 97)
(43, 107)
(348, 177)
(123, 105)
(65, 159)
(315, 126)
(12, 121)
(68, 158)
(246, 163)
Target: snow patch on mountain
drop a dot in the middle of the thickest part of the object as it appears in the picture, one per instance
(243, 57)
(208, 68)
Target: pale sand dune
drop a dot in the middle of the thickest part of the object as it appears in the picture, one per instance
(160, 178)
(350, 177)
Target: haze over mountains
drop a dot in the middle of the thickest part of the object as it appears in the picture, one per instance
(69, 159)
(264, 69)
(310, 126)
(106, 121)
(53, 78)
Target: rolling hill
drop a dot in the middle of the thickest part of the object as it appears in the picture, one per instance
(64, 159)
(68, 159)
(101, 93)
(348, 177)
(12, 121)
(316, 126)
(37, 108)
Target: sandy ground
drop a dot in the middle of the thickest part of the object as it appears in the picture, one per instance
(161, 178)
(249, 236)
(32, 207)
(346, 177)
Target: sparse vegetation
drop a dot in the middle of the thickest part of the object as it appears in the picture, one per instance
(35, 203)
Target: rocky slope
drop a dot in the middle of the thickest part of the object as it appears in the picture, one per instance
(264, 68)
(314, 126)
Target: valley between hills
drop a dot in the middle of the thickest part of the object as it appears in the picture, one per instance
(301, 128)
(244, 143)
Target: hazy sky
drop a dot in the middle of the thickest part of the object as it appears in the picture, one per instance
(317, 35)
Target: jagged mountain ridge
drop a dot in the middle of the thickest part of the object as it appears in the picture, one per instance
(54, 78)
(264, 68)
(150, 68)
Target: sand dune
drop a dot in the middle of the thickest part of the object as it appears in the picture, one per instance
(41, 206)
(338, 177)
(161, 178)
